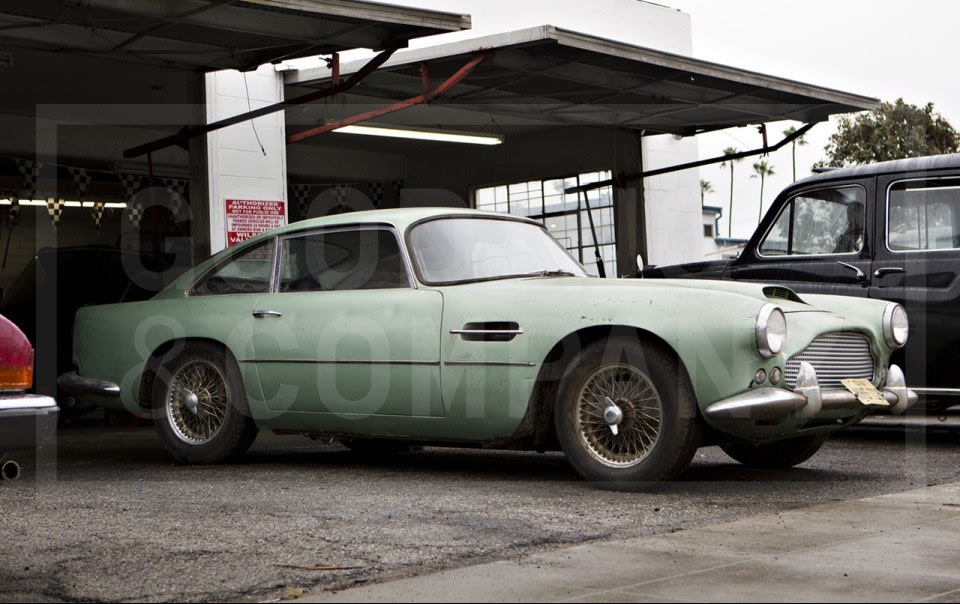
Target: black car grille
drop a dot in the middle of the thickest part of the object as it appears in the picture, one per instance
(834, 356)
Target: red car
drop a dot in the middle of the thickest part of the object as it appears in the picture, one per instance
(26, 420)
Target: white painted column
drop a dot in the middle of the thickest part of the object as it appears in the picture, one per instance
(247, 160)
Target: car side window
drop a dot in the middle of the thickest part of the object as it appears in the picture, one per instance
(342, 260)
(248, 272)
(924, 215)
(818, 223)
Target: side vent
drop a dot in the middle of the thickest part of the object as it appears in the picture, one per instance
(781, 293)
(489, 331)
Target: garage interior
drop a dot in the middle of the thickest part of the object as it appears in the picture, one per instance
(99, 78)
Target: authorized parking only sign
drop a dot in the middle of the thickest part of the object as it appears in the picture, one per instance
(249, 217)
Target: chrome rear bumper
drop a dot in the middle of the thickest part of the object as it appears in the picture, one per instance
(766, 404)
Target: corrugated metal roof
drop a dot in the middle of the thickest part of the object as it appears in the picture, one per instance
(215, 34)
(548, 73)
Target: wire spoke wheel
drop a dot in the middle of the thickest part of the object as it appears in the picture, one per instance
(619, 416)
(197, 402)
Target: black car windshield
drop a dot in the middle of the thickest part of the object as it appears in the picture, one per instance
(462, 250)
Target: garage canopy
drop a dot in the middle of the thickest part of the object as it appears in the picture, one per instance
(547, 74)
(207, 35)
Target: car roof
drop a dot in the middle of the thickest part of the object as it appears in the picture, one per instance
(401, 218)
(914, 164)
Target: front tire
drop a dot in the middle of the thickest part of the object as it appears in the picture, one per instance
(650, 402)
(780, 454)
(200, 407)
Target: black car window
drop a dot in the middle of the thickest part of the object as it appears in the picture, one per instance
(342, 260)
(818, 223)
(248, 272)
(924, 215)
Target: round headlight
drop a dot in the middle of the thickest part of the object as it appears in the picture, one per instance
(895, 325)
(771, 331)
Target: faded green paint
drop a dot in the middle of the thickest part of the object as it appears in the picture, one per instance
(408, 376)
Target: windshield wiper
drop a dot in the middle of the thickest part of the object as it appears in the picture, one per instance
(554, 273)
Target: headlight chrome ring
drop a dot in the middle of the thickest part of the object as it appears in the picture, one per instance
(896, 325)
(771, 331)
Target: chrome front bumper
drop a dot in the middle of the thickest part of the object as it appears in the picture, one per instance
(807, 398)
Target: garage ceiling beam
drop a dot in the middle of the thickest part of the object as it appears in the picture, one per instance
(422, 99)
(186, 133)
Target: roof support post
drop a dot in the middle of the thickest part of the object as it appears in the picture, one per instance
(182, 137)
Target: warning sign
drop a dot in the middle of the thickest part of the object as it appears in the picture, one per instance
(247, 218)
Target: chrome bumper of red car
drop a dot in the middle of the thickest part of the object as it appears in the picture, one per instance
(26, 421)
(807, 398)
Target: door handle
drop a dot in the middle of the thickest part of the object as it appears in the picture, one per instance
(262, 314)
(860, 276)
(888, 270)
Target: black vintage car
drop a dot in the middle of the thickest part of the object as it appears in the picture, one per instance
(889, 230)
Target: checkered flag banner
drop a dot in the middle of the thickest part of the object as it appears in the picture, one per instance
(55, 210)
(398, 187)
(301, 196)
(30, 171)
(136, 215)
(178, 192)
(131, 184)
(81, 182)
(376, 194)
(340, 195)
(97, 213)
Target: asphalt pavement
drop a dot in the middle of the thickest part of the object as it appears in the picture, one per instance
(104, 515)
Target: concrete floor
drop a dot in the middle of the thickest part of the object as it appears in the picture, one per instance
(903, 547)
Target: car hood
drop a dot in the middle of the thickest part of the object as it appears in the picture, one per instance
(659, 287)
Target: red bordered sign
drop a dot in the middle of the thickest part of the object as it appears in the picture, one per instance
(248, 217)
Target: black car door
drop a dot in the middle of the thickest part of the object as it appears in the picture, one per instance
(814, 240)
(918, 265)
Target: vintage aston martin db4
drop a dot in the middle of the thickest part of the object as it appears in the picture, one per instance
(466, 328)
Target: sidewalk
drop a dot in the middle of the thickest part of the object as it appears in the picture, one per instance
(901, 547)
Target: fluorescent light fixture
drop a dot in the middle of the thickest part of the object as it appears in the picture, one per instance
(423, 135)
(66, 204)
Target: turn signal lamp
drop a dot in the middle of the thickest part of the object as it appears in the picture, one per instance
(16, 358)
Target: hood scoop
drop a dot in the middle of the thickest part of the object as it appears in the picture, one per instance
(778, 292)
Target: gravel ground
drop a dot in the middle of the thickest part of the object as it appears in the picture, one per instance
(105, 516)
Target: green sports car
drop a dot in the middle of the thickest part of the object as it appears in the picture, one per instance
(452, 327)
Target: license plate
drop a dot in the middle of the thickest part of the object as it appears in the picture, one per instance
(866, 392)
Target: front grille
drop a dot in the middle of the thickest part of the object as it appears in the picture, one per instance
(835, 356)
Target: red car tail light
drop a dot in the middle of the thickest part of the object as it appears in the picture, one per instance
(16, 358)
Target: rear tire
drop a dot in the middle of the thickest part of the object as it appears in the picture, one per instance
(200, 406)
(659, 428)
(780, 454)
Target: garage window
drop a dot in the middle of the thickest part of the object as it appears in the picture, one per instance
(565, 216)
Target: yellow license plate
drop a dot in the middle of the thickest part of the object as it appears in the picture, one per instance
(866, 392)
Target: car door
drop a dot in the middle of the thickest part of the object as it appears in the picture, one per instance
(815, 241)
(346, 331)
(918, 266)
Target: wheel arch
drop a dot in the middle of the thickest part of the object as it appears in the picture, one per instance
(546, 388)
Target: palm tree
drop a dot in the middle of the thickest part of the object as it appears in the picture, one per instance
(728, 152)
(797, 142)
(763, 170)
(705, 187)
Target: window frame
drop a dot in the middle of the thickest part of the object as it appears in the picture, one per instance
(788, 204)
(191, 290)
(278, 265)
(886, 229)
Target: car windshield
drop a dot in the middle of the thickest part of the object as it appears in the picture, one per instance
(462, 250)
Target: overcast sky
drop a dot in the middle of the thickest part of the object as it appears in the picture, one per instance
(879, 49)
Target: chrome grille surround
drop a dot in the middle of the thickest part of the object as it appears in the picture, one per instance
(834, 356)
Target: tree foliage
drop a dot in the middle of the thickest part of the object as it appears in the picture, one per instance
(894, 131)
